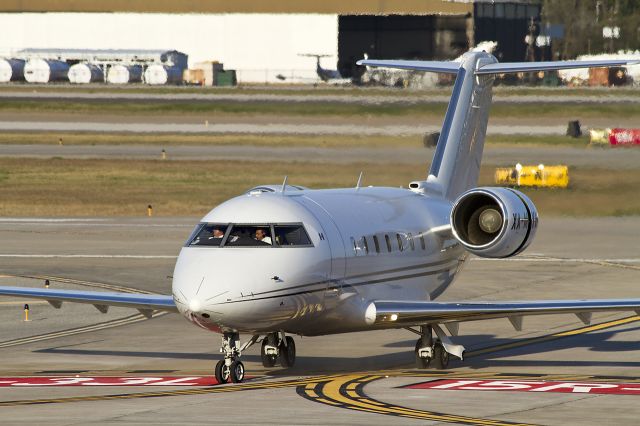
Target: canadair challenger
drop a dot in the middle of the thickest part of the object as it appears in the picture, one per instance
(326, 261)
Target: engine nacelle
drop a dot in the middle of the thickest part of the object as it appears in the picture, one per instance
(494, 222)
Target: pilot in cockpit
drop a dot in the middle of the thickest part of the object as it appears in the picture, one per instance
(216, 233)
(261, 235)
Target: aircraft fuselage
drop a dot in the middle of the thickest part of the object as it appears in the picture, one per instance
(363, 244)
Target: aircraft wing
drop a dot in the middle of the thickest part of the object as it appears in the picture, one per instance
(145, 303)
(403, 314)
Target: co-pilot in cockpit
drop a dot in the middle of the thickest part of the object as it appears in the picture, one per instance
(240, 235)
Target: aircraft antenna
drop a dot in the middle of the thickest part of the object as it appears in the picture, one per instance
(359, 181)
(284, 184)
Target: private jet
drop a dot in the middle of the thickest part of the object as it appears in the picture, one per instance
(283, 260)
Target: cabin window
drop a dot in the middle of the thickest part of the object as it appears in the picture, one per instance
(376, 243)
(412, 243)
(423, 245)
(355, 246)
(365, 245)
(388, 241)
(249, 236)
(208, 234)
(400, 243)
(291, 235)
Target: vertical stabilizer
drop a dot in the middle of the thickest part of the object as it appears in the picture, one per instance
(456, 162)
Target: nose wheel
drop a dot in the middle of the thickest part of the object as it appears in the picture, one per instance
(230, 369)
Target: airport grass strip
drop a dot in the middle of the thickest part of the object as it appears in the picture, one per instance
(103, 188)
(315, 109)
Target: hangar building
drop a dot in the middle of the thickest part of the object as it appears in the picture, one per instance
(263, 41)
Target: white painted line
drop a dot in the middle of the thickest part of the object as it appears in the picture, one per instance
(561, 260)
(87, 256)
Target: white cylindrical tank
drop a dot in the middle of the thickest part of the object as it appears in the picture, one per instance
(162, 74)
(11, 70)
(85, 73)
(123, 74)
(45, 70)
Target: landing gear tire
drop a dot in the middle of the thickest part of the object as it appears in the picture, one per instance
(236, 371)
(421, 362)
(287, 353)
(440, 357)
(267, 360)
(222, 372)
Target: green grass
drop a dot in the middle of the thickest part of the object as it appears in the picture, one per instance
(319, 90)
(283, 141)
(64, 187)
(317, 109)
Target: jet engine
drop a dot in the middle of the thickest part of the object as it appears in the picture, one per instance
(494, 222)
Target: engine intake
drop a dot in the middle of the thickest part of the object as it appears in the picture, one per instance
(494, 222)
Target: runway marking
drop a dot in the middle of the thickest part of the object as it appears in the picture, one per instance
(530, 386)
(106, 381)
(336, 392)
(179, 392)
(616, 263)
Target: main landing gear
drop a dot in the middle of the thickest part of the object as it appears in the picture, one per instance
(275, 347)
(278, 347)
(430, 351)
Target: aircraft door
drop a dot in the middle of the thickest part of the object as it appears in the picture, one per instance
(331, 234)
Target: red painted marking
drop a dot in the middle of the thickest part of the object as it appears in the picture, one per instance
(107, 381)
(530, 386)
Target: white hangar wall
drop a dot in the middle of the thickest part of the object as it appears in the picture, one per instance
(258, 46)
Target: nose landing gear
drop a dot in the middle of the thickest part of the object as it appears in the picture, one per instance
(275, 346)
(229, 368)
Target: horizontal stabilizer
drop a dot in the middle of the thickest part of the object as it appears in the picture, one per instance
(511, 67)
(429, 66)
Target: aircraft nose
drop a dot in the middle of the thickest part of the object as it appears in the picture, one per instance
(195, 305)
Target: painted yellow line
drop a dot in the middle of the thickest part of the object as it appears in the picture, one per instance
(548, 337)
(326, 401)
(332, 390)
(22, 303)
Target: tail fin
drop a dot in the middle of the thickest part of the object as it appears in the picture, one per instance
(456, 162)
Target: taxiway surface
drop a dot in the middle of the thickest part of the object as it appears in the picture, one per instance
(344, 379)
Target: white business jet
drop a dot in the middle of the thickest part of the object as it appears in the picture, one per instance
(283, 259)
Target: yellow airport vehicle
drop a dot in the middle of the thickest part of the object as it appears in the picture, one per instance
(539, 176)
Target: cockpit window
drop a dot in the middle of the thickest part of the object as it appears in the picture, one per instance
(208, 234)
(291, 235)
(249, 236)
(240, 235)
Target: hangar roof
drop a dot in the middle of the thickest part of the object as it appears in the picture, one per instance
(341, 7)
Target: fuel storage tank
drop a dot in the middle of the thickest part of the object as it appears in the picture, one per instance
(11, 70)
(161, 74)
(85, 73)
(123, 74)
(45, 70)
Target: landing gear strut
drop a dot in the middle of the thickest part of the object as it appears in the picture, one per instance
(229, 368)
(277, 346)
(430, 351)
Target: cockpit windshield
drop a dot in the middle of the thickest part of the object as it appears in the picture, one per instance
(208, 234)
(254, 235)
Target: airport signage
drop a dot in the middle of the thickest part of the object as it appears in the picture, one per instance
(106, 381)
(530, 386)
